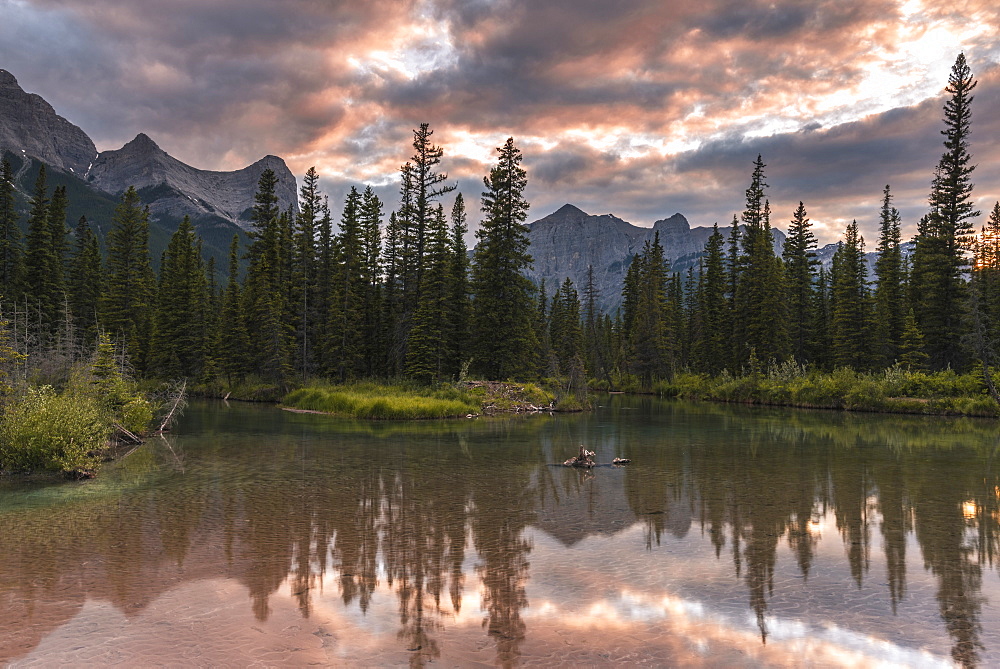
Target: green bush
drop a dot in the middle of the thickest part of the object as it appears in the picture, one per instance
(47, 430)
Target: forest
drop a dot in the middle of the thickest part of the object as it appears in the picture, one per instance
(372, 296)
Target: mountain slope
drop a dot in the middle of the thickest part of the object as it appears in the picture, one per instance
(569, 241)
(29, 126)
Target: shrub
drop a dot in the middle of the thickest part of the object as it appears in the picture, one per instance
(46, 430)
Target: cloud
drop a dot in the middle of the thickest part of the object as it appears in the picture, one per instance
(638, 108)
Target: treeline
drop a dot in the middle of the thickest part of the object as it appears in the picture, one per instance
(367, 297)
(746, 307)
(376, 296)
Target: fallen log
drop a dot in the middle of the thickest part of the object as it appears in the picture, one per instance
(585, 459)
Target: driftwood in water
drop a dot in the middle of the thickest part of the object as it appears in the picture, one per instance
(585, 458)
(178, 395)
(122, 434)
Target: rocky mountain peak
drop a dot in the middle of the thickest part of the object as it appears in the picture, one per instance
(30, 127)
(141, 144)
(7, 80)
(673, 225)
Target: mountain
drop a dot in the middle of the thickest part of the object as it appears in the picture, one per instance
(569, 241)
(219, 203)
(175, 189)
(29, 126)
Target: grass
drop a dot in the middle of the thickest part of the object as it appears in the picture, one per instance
(383, 402)
(894, 390)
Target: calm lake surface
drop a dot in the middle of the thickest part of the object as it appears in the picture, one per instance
(738, 536)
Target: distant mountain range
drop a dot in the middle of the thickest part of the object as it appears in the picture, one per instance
(566, 243)
(219, 203)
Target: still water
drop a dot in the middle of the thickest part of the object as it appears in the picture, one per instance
(737, 536)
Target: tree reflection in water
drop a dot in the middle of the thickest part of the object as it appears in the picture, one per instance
(396, 509)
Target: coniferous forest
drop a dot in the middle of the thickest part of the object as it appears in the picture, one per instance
(371, 290)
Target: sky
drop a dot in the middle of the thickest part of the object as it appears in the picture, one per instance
(638, 108)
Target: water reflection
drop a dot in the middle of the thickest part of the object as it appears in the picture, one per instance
(444, 518)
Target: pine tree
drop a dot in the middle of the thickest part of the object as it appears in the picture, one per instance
(646, 324)
(11, 254)
(304, 272)
(911, 347)
(799, 256)
(427, 356)
(987, 277)
(41, 284)
(180, 326)
(503, 308)
(851, 316)
(889, 287)
(761, 308)
(711, 350)
(345, 354)
(233, 342)
(86, 281)
(458, 280)
(128, 300)
(564, 326)
(370, 215)
(264, 294)
(939, 263)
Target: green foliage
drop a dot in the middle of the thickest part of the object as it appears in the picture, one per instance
(376, 402)
(895, 390)
(52, 431)
(503, 308)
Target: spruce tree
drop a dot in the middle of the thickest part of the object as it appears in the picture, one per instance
(233, 352)
(370, 215)
(646, 330)
(889, 287)
(427, 356)
(180, 329)
(503, 308)
(564, 326)
(939, 264)
(11, 253)
(851, 316)
(41, 285)
(345, 356)
(987, 277)
(86, 280)
(799, 256)
(304, 272)
(128, 300)
(264, 294)
(711, 350)
(458, 280)
(761, 308)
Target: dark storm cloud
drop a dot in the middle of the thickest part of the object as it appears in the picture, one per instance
(605, 98)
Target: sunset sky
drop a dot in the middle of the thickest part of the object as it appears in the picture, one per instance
(640, 108)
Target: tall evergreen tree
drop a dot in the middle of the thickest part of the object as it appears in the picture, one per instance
(711, 349)
(503, 308)
(939, 263)
(564, 326)
(264, 294)
(11, 253)
(851, 313)
(370, 215)
(761, 308)
(233, 353)
(304, 287)
(86, 280)
(799, 256)
(128, 300)
(344, 347)
(458, 279)
(180, 328)
(645, 325)
(41, 283)
(427, 355)
(889, 287)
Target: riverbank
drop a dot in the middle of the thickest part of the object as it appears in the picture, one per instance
(893, 390)
(374, 401)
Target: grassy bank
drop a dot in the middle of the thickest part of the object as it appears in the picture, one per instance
(383, 402)
(894, 390)
(404, 401)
